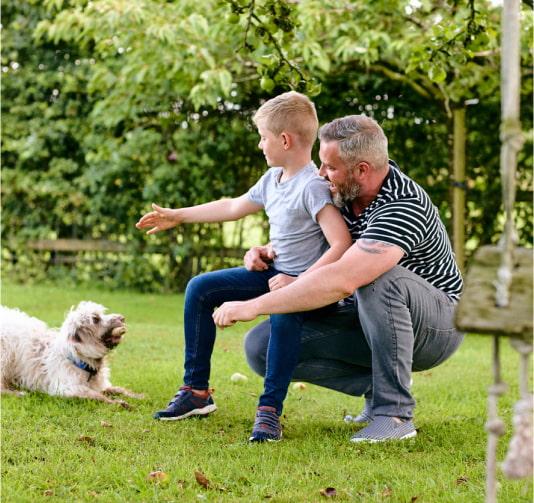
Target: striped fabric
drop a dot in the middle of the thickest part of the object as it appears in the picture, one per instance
(403, 214)
(384, 428)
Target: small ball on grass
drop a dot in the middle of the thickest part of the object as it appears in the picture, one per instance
(238, 378)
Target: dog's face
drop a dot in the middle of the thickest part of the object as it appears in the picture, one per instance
(92, 331)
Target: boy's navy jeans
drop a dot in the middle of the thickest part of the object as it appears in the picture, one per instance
(206, 292)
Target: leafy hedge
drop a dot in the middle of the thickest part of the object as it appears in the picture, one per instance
(78, 164)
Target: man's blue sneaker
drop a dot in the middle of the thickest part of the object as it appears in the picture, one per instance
(187, 403)
(266, 426)
(384, 428)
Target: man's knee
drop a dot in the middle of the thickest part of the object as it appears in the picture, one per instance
(393, 277)
(256, 342)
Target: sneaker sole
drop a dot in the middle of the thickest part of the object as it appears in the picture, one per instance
(195, 412)
(376, 440)
(252, 441)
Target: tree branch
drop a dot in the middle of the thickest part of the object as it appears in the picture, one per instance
(279, 50)
(249, 22)
(418, 88)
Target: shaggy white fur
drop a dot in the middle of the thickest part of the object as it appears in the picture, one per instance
(70, 362)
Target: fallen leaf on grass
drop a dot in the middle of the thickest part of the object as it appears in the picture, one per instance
(201, 479)
(86, 439)
(461, 480)
(386, 492)
(158, 477)
(48, 492)
(329, 492)
(105, 424)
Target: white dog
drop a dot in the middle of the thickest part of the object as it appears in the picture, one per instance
(70, 362)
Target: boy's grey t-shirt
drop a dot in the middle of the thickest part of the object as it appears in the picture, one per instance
(292, 208)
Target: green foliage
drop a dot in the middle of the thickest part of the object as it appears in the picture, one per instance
(111, 105)
(43, 123)
(80, 450)
(80, 161)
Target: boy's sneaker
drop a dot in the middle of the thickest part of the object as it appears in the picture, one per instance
(187, 403)
(266, 426)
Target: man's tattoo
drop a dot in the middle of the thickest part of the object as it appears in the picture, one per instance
(373, 246)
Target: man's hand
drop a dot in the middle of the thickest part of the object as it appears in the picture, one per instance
(280, 280)
(160, 219)
(231, 312)
(259, 257)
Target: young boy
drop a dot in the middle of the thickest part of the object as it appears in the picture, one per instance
(303, 222)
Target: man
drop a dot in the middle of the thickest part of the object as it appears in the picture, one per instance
(400, 271)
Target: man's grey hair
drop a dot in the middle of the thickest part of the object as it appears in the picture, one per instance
(360, 138)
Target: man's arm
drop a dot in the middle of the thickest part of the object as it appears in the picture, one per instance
(338, 237)
(361, 264)
(223, 210)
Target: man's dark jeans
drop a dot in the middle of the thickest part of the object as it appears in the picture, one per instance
(401, 323)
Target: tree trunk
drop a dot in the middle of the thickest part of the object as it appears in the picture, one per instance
(511, 138)
(458, 191)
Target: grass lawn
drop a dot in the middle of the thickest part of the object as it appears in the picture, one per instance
(57, 449)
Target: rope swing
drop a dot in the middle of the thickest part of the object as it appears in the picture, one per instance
(497, 298)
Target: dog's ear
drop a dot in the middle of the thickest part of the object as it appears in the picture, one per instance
(79, 332)
(75, 337)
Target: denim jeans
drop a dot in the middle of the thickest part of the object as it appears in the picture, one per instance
(398, 324)
(207, 291)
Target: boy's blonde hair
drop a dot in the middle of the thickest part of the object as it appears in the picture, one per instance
(292, 112)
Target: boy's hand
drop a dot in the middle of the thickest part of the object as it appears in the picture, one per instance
(160, 219)
(259, 257)
(279, 281)
(230, 312)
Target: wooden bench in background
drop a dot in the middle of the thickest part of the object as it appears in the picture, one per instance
(65, 251)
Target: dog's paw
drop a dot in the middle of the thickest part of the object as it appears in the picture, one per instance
(123, 404)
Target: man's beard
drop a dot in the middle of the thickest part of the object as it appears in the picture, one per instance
(346, 193)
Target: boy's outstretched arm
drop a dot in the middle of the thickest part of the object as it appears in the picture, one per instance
(338, 237)
(224, 210)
